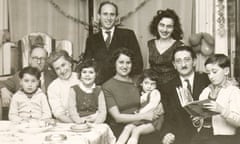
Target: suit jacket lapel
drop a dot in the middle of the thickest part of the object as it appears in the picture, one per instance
(178, 83)
(114, 41)
(195, 88)
(100, 40)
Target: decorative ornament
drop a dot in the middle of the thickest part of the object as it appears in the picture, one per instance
(220, 18)
(76, 20)
(95, 23)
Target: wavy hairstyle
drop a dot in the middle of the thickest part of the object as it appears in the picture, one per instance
(54, 56)
(86, 64)
(168, 13)
(124, 51)
(147, 73)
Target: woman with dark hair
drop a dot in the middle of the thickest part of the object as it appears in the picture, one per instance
(167, 29)
(122, 95)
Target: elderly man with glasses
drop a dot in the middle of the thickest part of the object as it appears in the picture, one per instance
(38, 56)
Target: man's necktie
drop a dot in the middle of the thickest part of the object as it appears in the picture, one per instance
(41, 83)
(108, 39)
(188, 85)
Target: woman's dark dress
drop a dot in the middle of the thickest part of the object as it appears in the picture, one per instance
(162, 63)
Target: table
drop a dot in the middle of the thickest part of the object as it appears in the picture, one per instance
(99, 134)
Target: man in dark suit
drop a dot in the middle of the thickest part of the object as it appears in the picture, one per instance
(101, 45)
(38, 56)
(178, 127)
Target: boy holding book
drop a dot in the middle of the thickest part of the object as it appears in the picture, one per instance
(224, 96)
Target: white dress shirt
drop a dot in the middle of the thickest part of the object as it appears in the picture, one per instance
(105, 35)
(190, 79)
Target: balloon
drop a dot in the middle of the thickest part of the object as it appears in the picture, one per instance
(208, 38)
(195, 39)
(196, 48)
(206, 49)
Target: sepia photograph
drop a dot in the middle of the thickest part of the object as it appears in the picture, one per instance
(119, 71)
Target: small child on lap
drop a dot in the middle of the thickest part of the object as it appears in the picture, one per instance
(150, 100)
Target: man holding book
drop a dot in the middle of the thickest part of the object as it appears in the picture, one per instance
(178, 127)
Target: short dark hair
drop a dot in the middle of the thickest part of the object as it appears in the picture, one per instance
(86, 64)
(168, 13)
(220, 59)
(107, 2)
(124, 51)
(147, 73)
(30, 70)
(183, 48)
(54, 56)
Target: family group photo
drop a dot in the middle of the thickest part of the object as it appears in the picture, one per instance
(119, 71)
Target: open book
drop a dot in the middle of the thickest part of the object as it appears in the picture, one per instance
(194, 108)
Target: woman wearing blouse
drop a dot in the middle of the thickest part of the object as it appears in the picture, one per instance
(58, 90)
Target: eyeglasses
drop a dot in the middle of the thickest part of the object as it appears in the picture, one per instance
(184, 60)
(36, 59)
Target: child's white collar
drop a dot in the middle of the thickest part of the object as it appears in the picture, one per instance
(86, 89)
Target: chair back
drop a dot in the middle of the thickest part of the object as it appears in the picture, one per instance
(9, 56)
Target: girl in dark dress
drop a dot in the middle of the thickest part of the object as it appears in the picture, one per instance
(86, 101)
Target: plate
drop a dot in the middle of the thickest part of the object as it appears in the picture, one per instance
(55, 137)
(80, 128)
(27, 129)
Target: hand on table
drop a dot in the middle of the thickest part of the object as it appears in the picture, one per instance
(81, 121)
(50, 121)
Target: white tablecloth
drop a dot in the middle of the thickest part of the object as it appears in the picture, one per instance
(99, 134)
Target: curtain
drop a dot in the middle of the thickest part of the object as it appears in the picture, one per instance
(140, 20)
(3, 18)
(204, 16)
(59, 20)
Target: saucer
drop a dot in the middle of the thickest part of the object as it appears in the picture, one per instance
(26, 129)
(34, 129)
(55, 137)
(80, 128)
